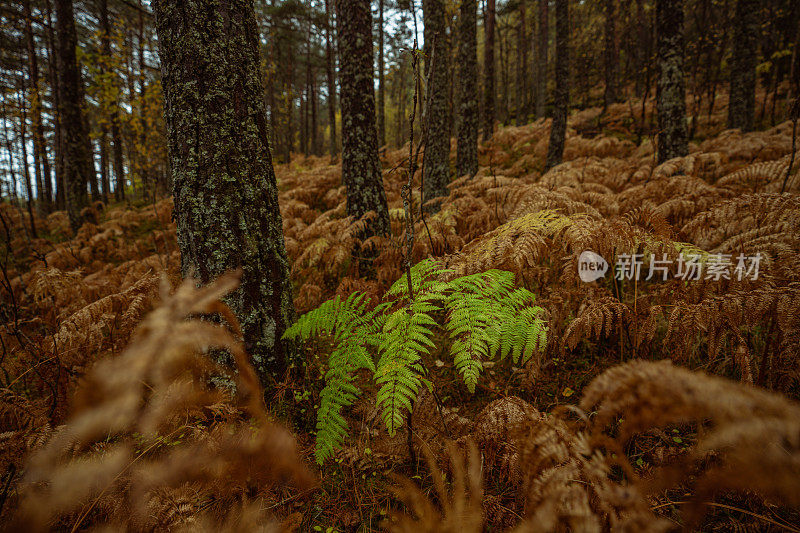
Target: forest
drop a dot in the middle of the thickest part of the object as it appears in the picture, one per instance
(398, 265)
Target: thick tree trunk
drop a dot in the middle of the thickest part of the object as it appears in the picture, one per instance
(611, 54)
(226, 198)
(78, 168)
(467, 148)
(488, 70)
(522, 67)
(541, 59)
(437, 140)
(558, 130)
(741, 110)
(671, 94)
(44, 181)
(331, 70)
(361, 170)
(381, 74)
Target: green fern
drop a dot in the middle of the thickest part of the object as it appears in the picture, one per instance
(486, 317)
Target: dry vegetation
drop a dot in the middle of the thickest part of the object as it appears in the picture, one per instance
(112, 413)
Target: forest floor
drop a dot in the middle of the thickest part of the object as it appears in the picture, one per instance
(71, 301)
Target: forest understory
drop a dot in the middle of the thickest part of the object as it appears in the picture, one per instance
(643, 405)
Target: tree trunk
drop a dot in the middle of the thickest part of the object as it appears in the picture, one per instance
(25, 168)
(467, 148)
(522, 66)
(77, 148)
(741, 110)
(671, 94)
(104, 180)
(330, 63)
(488, 70)
(611, 55)
(226, 198)
(116, 137)
(381, 75)
(541, 63)
(361, 170)
(437, 139)
(58, 137)
(558, 130)
(44, 181)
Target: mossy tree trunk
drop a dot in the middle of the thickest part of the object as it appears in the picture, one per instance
(467, 147)
(437, 68)
(226, 198)
(361, 170)
(741, 111)
(671, 92)
(558, 130)
(488, 70)
(78, 167)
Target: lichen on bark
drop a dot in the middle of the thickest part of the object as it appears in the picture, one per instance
(226, 201)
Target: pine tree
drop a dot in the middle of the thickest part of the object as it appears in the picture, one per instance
(437, 140)
(522, 67)
(541, 58)
(226, 202)
(558, 131)
(78, 168)
(361, 170)
(671, 94)
(741, 111)
(488, 70)
(381, 76)
(330, 61)
(467, 148)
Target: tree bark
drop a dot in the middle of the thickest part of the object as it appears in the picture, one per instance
(226, 198)
(437, 139)
(58, 137)
(488, 70)
(78, 168)
(467, 147)
(741, 110)
(558, 131)
(361, 170)
(671, 93)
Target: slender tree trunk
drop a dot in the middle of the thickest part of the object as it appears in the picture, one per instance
(104, 180)
(44, 181)
(331, 70)
(116, 137)
(741, 111)
(226, 197)
(467, 148)
(642, 48)
(381, 74)
(558, 130)
(488, 70)
(522, 67)
(671, 94)
(361, 170)
(77, 148)
(23, 141)
(54, 69)
(611, 55)
(142, 155)
(437, 139)
(541, 63)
